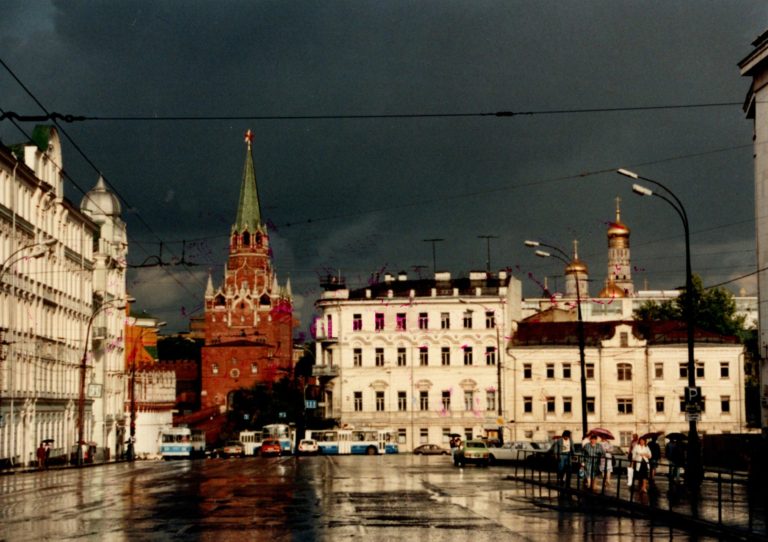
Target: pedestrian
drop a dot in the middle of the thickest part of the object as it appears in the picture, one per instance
(675, 455)
(47, 446)
(655, 457)
(592, 455)
(563, 450)
(606, 463)
(631, 465)
(41, 456)
(641, 457)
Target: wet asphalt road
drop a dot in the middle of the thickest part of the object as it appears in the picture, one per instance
(401, 497)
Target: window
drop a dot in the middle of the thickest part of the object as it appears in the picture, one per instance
(329, 319)
(469, 400)
(357, 357)
(445, 320)
(490, 319)
(624, 339)
(703, 404)
(699, 370)
(357, 322)
(254, 368)
(660, 404)
(590, 405)
(683, 370)
(682, 404)
(658, 371)
(401, 359)
(423, 356)
(567, 405)
(589, 370)
(402, 402)
(725, 369)
(424, 400)
(379, 357)
(467, 320)
(725, 404)
(400, 321)
(358, 401)
(423, 320)
(490, 355)
(551, 405)
(379, 321)
(446, 435)
(467, 355)
(424, 435)
(379, 401)
(528, 405)
(468, 433)
(490, 400)
(527, 371)
(550, 371)
(624, 406)
(625, 438)
(328, 357)
(445, 355)
(402, 435)
(446, 400)
(566, 371)
(624, 371)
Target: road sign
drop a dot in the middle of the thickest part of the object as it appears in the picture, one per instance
(282, 415)
(693, 416)
(693, 394)
(310, 403)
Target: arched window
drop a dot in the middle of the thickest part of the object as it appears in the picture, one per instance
(258, 239)
(264, 300)
(624, 371)
(246, 239)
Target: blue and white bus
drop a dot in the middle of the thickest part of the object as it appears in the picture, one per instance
(251, 442)
(181, 442)
(354, 441)
(282, 432)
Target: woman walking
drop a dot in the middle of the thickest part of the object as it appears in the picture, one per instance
(641, 458)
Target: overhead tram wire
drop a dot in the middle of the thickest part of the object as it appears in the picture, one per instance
(55, 116)
(98, 171)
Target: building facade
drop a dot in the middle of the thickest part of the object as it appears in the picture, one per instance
(48, 255)
(249, 317)
(636, 374)
(755, 65)
(423, 358)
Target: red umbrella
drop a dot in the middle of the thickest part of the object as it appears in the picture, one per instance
(602, 433)
(652, 435)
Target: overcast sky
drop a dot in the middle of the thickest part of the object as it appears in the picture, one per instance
(359, 195)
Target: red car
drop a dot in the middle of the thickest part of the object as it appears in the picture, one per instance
(270, 448)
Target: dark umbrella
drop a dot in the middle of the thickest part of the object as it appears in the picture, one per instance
(48, 441)
(602, 433)
(652, 435)
(454, 435)
(675, 436)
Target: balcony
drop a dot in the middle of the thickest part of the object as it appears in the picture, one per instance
(325, 370)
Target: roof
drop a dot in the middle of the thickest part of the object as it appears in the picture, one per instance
(423, 287)
(248, 209)
(566, 333)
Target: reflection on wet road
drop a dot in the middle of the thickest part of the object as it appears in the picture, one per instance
(297, 498)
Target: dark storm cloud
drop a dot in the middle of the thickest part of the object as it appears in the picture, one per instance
(394, 182)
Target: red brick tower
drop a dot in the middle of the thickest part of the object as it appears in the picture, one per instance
(248, 319)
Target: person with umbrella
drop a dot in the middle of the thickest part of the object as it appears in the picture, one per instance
(675, 453)
(593, 453)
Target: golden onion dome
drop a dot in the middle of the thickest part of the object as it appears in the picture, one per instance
(576, 266)
(617, 229)
(612, 291)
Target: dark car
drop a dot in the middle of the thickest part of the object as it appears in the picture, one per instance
(430, 449)
(472, 451)
(270, 447)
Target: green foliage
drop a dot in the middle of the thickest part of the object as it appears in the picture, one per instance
(263, 404)
(714, 309)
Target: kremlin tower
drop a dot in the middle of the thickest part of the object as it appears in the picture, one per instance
(618, 280)
(248, 318)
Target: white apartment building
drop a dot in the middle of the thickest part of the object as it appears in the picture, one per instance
(48, 255)
(636, 374)
(420, 357)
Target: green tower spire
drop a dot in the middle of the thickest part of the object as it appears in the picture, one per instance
(248, 209)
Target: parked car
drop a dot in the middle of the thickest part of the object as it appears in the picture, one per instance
(512, 451)
(232, 448)
(270, 447)
(307, 446)
(472, 451)
(430, 449)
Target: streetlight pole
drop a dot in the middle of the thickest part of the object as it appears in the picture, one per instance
(499, 399)
(563, 257)
(118, 304)
(693, 472)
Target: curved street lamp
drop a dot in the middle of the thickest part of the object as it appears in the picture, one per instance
(693, 471)
(118, 304)
(563, 257)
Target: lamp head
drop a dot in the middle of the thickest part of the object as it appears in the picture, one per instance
(542, 254)
(627, 173)
(530, 243)
(641, 190)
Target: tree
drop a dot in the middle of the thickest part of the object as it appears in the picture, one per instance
(714, 309)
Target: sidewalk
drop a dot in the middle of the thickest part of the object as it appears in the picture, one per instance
(724, 505)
